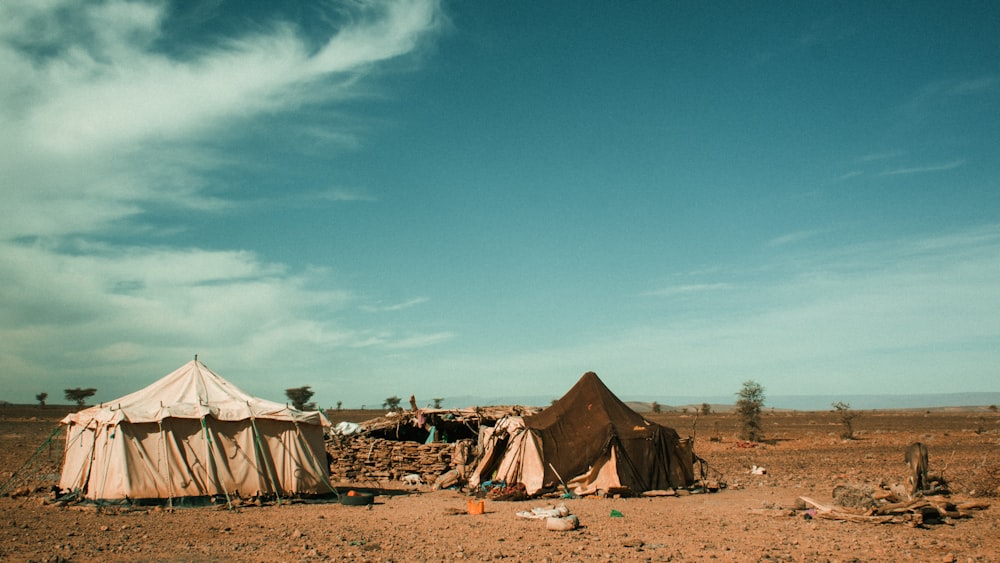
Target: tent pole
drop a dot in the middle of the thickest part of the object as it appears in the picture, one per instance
(213, 467)
(264, 458)
(166, 460)
(109, 443)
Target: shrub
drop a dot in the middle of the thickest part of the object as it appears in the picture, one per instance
(749, 405)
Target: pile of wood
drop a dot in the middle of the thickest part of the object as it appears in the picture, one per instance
(890, 509)
(362, 458)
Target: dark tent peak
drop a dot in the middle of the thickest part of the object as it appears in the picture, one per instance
(591, 405)
(588, 441)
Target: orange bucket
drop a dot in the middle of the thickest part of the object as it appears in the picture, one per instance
(477, 506)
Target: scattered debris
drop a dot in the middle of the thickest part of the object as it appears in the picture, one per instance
(562, 524)
(660, 493)
(498, 490)
(540, 512)
(850, 496)
(889, 509)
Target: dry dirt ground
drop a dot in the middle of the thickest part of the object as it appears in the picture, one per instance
(804, 455)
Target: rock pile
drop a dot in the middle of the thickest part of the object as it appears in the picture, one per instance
(362, 458)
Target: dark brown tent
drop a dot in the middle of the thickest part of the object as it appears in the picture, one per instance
(594, 441)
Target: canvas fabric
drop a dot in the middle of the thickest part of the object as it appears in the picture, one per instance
(589, 421)
(591, 440)
(149, 445)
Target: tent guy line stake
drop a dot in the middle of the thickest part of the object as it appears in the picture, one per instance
(565, 488)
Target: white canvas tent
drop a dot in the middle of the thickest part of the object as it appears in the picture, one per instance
(193, 434)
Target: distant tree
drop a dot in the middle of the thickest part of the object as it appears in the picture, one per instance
(656, 407)
(981, 425)
(993, 408)
(706, 409)
(392, 403)
(847, 417)
(79, 395)
(41, 398)
(437, 402)
(299, 396)
(340, 405)
(749, 405)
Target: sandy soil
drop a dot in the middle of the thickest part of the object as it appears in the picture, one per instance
(751, 520)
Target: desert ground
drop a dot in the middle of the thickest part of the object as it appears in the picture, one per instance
(754, 518)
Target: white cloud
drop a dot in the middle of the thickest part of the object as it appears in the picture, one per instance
(848, 175)
(396, 306)
(344, 194)
(689, 288)
(100, 126)
(791, 238)
(925, 169)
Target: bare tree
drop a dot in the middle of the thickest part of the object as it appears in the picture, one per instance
(41, 398)
(749, 405)
(299, 396)
(79, 395)
(847, 417)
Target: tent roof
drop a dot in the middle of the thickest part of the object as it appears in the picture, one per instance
(191, 391)
(590, 406)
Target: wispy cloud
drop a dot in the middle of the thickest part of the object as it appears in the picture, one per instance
(888, 316)
(940, 93)
(156, 96)
(420, 341)
(976, 85)
(848, 175)
(396, 306)
(925, 169)
(101, 126)
(689, 288)
(791, 238)
(98, 123)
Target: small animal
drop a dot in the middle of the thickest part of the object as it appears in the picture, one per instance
(412, 479)
(916, 461)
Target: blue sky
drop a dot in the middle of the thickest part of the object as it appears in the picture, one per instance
(486, 199)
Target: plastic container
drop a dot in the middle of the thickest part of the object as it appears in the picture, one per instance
(476, 506)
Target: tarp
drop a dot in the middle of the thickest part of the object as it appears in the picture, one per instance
(193, 434)
(590, 440)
